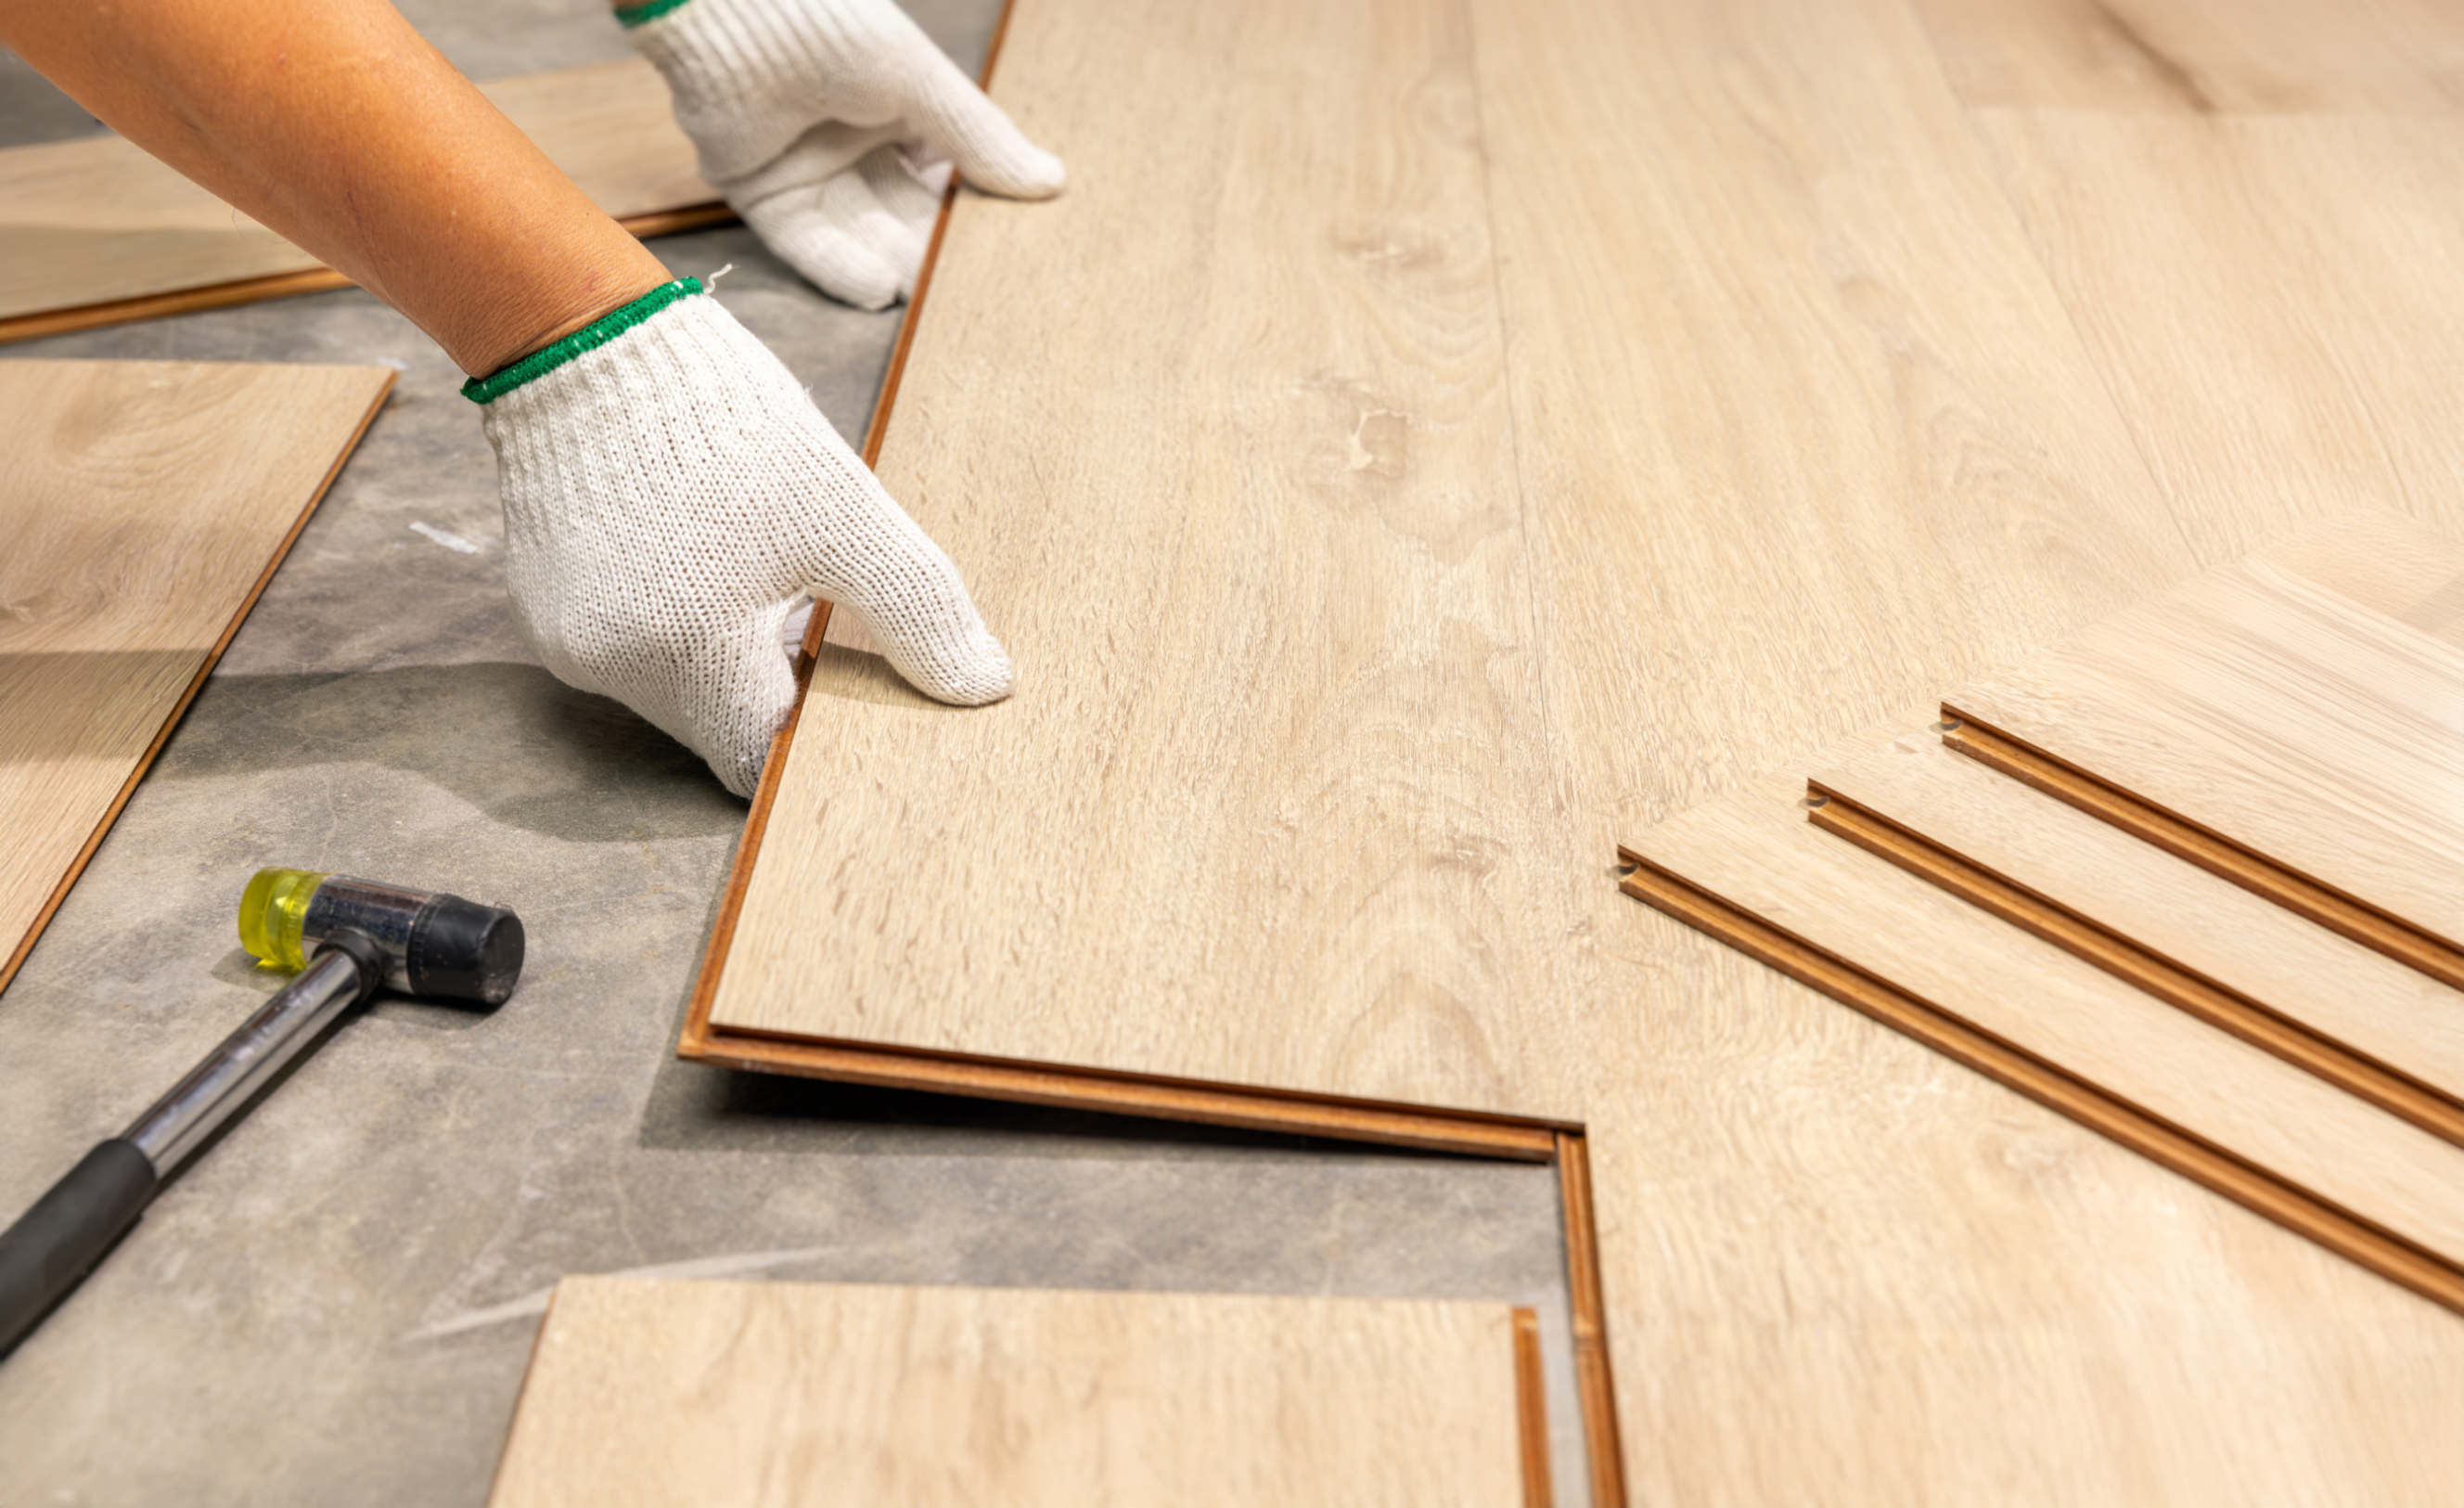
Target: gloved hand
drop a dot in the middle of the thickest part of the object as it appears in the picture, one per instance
(670, 492)
(830, 126)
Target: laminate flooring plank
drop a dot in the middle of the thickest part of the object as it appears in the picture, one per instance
(1954, 1294)
(1951, 1293)
(1841, 435)
(2270, 711)
(2272, 300)
(2205, 57)
(1272, 804)
(2153, 915)
(776, 1394)
(1960, 962)
(144, 504)
(96, 221)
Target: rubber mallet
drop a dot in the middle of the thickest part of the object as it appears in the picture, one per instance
(347, 939)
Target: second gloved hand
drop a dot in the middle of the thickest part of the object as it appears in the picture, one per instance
(830, 127)
(670, 494)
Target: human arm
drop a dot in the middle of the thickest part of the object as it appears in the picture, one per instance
(335, 124)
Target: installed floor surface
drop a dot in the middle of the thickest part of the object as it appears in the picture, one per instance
(334, 1306)
(1499, 425)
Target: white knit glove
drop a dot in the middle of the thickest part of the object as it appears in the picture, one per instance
(830, 126)
(670, 494)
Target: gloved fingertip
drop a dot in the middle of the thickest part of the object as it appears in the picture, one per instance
(983, 674)
(939, 644)
(1026, 172)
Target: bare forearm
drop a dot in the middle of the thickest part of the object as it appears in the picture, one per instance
(334, 123)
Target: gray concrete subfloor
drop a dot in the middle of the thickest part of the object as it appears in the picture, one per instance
(335, 1303)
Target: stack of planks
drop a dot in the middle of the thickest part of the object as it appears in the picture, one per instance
(2199, 883)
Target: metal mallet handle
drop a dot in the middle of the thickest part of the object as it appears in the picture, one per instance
(59, 1241)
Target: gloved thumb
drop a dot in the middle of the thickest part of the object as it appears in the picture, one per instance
(991, 152)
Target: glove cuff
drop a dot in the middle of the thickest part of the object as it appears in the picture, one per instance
(665, 386)
(485, 390)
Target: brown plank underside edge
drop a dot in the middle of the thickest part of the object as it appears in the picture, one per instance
(2212, 852)
(16, 958)
(2245, 1184)
(1596, 1397)
(282, 285)
(1038, 1084)
(2397, 1093)
(1531, 1410)
(1216, 1104)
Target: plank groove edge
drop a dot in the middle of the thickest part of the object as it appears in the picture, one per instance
(1085, 1089)
(1596, 1395)
(2228, 1009)
(2247, 1185)
(282, 285)
(25, 944)
(1531, 1410)
(2210, 851)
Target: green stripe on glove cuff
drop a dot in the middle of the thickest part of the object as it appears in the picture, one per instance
(590, 337)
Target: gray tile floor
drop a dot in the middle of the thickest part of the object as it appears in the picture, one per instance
(335, 1303)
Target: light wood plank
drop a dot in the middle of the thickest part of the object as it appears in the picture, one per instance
(2152, 916)
(1953, 1296)
(95, 220)
(143, 505)
(1272, 805)
(647, 1392)
(2205, 57)
(2285, 716)
(1760, 857)
(2272, 301)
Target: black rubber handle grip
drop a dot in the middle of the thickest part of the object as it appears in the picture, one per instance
(57, 1242)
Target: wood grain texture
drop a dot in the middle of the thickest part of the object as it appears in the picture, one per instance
(1352, 621)
(94, 230)
(145, 505)
(1800, 433)
(2273, 712)
(2205, 57)
(2184, 1399)
(1288, 750)
(2269, 298)
(649, 1393)
(2369, 1024)
(1864, 930)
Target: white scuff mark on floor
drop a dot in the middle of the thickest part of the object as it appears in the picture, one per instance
(734, 1264)
(450, 541)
